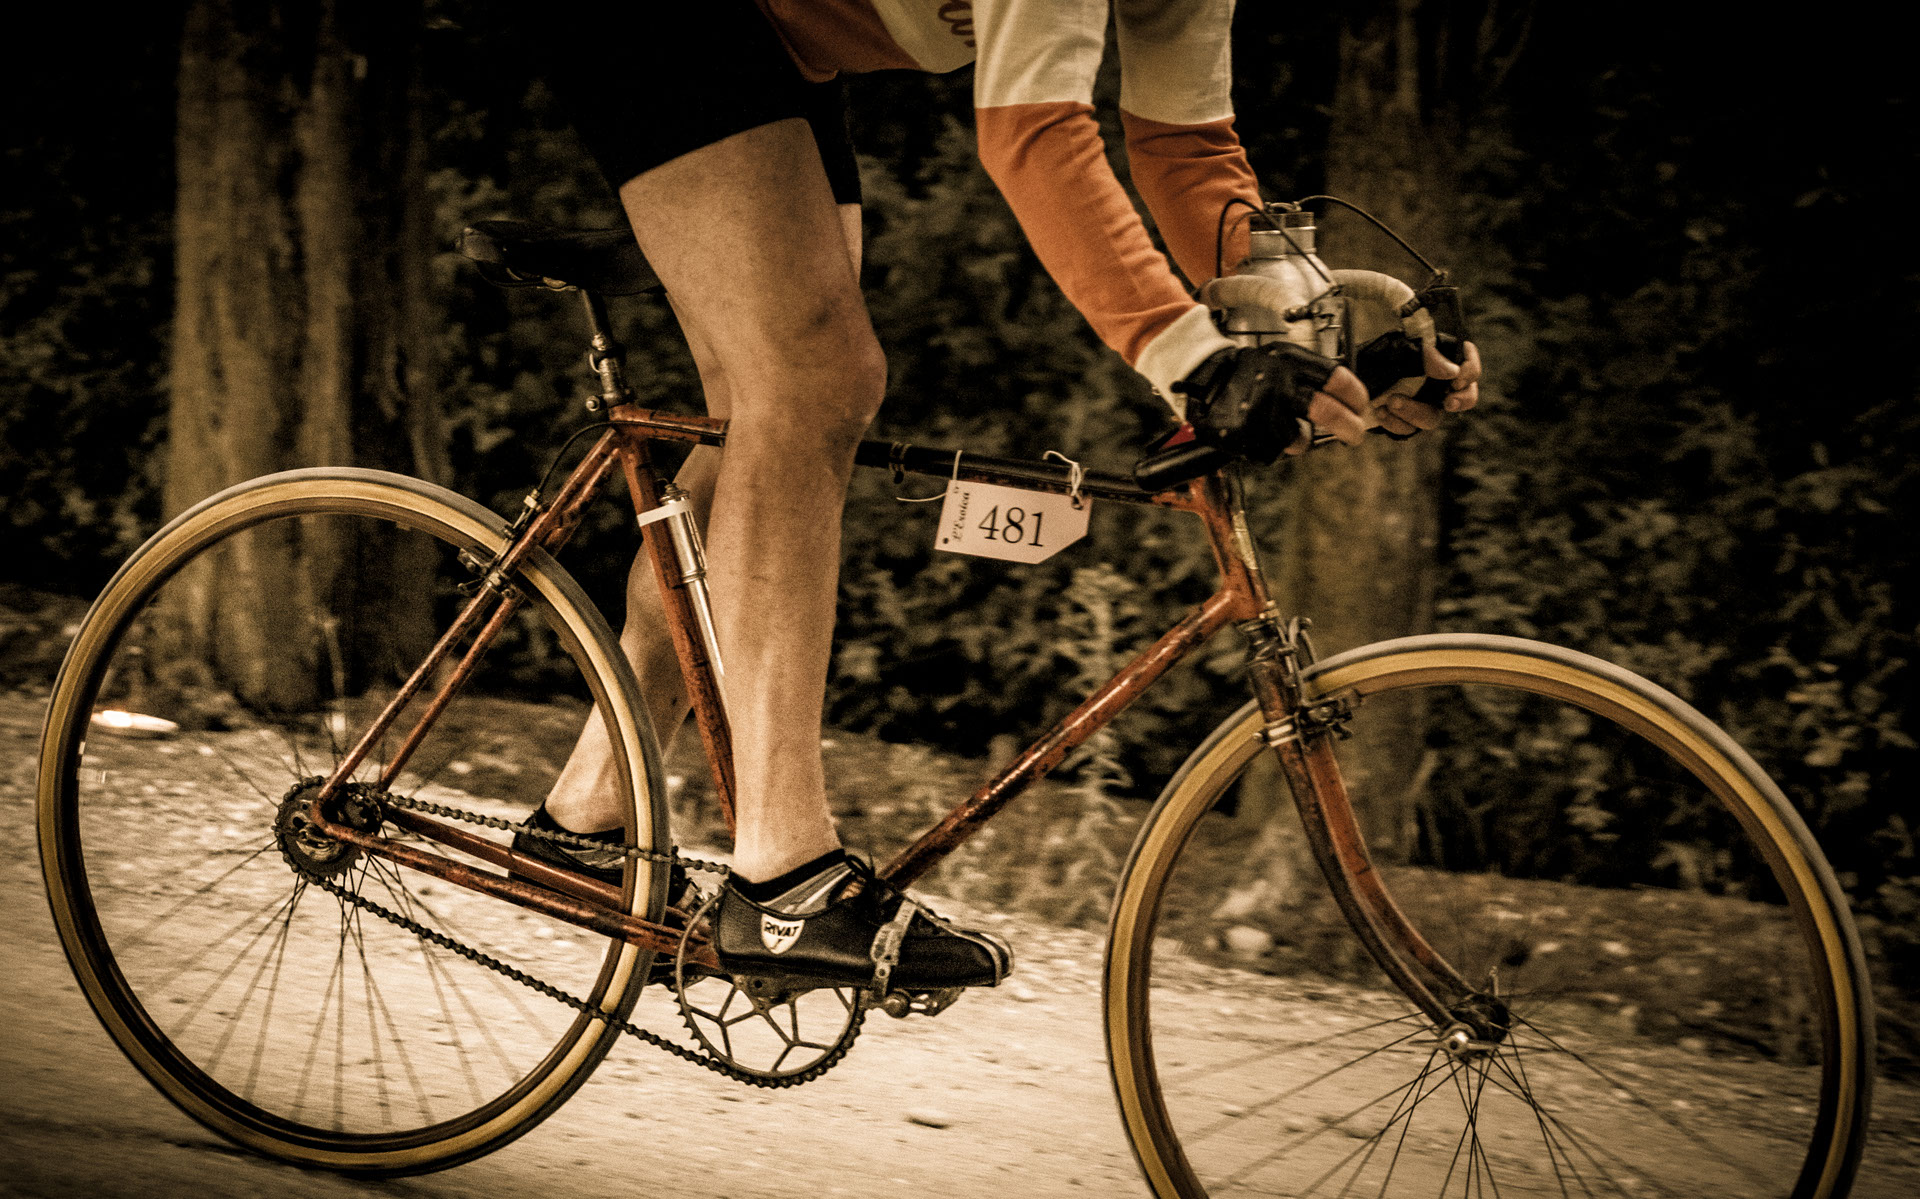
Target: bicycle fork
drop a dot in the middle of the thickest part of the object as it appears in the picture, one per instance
(1301, 730)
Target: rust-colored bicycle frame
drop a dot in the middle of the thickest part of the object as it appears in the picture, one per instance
(1298, 730)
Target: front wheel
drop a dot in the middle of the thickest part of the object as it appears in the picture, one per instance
(1660, 988)
(242, 962)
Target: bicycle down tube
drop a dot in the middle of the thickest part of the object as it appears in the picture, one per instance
(1302, 739)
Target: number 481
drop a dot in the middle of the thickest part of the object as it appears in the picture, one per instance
(1012, 528)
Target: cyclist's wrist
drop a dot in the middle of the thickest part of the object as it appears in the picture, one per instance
(1176, 351)
(1205, 381)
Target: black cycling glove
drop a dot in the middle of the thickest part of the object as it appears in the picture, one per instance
(1251, 399)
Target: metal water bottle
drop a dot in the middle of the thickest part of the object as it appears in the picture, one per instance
(1313, 315)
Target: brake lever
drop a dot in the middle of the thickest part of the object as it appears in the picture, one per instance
(1442, 300)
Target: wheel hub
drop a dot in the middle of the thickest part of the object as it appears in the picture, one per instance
(311, 852)
(1481, 1024)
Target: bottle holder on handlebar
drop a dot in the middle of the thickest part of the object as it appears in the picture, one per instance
(1431, 316)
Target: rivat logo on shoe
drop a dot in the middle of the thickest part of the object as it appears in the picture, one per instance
(779, 935)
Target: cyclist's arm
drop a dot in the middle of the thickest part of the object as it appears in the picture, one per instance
(1176, 106)
(1033, 86)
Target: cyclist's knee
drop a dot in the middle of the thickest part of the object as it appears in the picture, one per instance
(834, 379)
(864, 384)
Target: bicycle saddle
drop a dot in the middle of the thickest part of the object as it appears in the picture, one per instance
(532, 254)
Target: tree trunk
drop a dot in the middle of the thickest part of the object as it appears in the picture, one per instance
(1358, 528)
(299, 334)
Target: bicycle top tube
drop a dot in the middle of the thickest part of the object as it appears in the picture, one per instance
(904, 458)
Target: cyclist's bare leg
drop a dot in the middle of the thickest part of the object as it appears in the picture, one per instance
(801, 376)
(582, 795)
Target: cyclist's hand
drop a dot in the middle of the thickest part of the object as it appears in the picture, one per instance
(1403, 415)
(1336, 408)
(1251, 399)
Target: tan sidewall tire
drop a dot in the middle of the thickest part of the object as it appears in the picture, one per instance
(415, 505)
(1588, 682)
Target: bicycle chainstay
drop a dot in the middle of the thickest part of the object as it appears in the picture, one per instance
(514, 974)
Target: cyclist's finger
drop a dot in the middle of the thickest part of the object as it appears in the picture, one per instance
(1466, 385)
(1469, 366)
(1338, 416)
(1344, 387)
(1301, 444)
(1436, 364)
(1404, 414)
(1395, 425)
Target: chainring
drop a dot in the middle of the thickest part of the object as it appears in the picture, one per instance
(730, 1001)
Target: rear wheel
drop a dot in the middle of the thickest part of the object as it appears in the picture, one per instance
(241, 961)
(1663, 991)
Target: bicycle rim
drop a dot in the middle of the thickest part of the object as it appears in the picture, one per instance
(1665, 994)
(269, 624)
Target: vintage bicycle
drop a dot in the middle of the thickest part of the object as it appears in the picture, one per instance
(355, 971)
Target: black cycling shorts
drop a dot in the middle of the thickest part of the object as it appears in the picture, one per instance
(645, 83)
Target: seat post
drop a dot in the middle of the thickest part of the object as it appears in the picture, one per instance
(608, 357)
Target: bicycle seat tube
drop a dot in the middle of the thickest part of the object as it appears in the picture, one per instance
(672, 542)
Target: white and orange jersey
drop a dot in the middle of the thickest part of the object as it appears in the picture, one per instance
(1033, 90)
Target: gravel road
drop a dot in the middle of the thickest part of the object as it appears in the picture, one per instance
(1004, 1094)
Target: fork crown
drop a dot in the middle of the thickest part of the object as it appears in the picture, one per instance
(1278, 654)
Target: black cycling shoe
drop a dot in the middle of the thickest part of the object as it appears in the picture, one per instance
(814, 932)
(604, 865)
(600, 864)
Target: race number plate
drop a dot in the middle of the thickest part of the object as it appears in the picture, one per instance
(990, 521)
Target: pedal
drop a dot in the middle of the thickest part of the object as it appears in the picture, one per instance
(901, 1004)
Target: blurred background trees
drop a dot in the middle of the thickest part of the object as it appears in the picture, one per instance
(301, 328)
(1685, 270)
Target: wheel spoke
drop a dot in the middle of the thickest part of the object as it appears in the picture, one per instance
(1317, 1079)
(1260, 1055)
(1325, 1125)
(324, 1033)
(273, 993)
(1580, 873)
(193, 1009)
(165, 919)
(1402, 1115)
(214, 750)
(1646, 1104)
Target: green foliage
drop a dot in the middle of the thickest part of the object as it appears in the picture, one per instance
(84, 297)
(1677, 472)
(1695, 458)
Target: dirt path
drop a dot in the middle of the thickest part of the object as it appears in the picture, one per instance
(1005, 1094)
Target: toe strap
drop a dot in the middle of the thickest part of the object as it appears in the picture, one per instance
(886, 943)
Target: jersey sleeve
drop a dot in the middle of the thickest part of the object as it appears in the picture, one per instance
(1033, 90)
(1176, 106)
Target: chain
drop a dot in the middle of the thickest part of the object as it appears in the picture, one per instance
(632, 852)
(517, 975)
(718, 1065)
